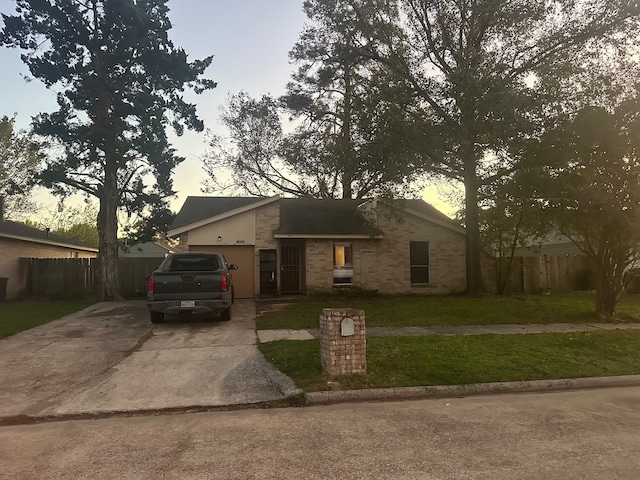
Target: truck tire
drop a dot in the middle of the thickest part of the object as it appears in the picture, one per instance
(156, 317)
(225, 316)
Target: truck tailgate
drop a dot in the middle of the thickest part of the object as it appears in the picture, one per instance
(192, 285)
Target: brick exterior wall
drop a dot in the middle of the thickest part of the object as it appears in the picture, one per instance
(11, 250)
(267, 220)
(343, 355)
(387, 269)
(319, 265)
(384, 264)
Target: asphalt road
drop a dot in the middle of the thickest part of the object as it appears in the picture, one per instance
(587, 434)
(110, 358)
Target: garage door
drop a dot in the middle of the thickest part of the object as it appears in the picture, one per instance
(243, 256)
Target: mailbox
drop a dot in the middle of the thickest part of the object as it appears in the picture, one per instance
(346, 327)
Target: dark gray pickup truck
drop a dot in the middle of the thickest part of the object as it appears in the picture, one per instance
(191, 282)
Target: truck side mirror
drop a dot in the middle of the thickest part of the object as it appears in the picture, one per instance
(233, 266)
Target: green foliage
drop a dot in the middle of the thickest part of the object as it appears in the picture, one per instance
(355, 134)
(150, 227)
(255, 156)
(457, 360)
(477, 68)
(511, 218)
(72, 222)
(591, 190)
(119, 82)
(19, 161)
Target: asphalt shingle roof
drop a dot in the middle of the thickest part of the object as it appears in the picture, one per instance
(310, 216)
(196, 209)
(423, 207)
(21, 230)
(303, 216)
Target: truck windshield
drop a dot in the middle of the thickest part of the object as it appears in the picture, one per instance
(194, 263)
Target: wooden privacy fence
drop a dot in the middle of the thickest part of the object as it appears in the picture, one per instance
(79, 277)
(556, 274)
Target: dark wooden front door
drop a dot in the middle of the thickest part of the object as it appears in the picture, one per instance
(268, 273)
(291, 267)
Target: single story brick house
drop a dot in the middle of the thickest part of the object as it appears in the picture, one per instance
(303, 245)
(21, 241)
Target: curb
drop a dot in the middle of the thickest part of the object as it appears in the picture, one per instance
(346, 396)
(449, 391)
(296, 400)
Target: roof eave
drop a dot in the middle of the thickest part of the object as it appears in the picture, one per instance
(348, 236)
(49, 242)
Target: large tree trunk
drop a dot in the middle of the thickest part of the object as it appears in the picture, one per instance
(475, 284)
(609, 282)
(347, 152)
(108, 240)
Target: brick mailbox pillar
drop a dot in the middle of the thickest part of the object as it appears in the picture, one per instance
(343, 343)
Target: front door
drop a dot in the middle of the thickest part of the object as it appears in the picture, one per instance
(268, 273)
(291, 267)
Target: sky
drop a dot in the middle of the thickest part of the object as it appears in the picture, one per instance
(250, 41)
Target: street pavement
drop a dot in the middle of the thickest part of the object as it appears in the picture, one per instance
(110, 358)
(587, 434)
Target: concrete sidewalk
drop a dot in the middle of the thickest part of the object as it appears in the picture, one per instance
(265, 336)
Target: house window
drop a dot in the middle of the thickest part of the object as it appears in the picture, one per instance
(342, 264)
(419, 261)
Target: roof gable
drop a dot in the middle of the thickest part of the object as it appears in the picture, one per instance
(199, 211)
(423, 210)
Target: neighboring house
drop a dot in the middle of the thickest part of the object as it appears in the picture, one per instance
(148, 249)
(301, 245)
(555, 244)
(21, 241)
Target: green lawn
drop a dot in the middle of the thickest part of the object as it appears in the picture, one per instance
(403, 310)
(18, 316)
(447, 360)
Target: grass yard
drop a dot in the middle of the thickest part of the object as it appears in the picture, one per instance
(445, 360)
(419, 311)
(18, 316)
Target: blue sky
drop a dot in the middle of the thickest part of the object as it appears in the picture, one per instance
(250, 41)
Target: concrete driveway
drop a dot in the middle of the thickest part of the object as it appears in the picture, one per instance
(110, 358)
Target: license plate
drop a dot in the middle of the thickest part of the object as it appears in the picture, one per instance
(188, 303)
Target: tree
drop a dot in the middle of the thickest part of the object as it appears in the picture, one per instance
(120, 82)
(510, 219)
(475, 66)
(592, 191)
(149, 228)
(19, 160)
(72, 222)
(255, 156)
(357, 132)
(355, 129)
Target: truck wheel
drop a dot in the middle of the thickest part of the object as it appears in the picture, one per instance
(225, 316)
(156, 317)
